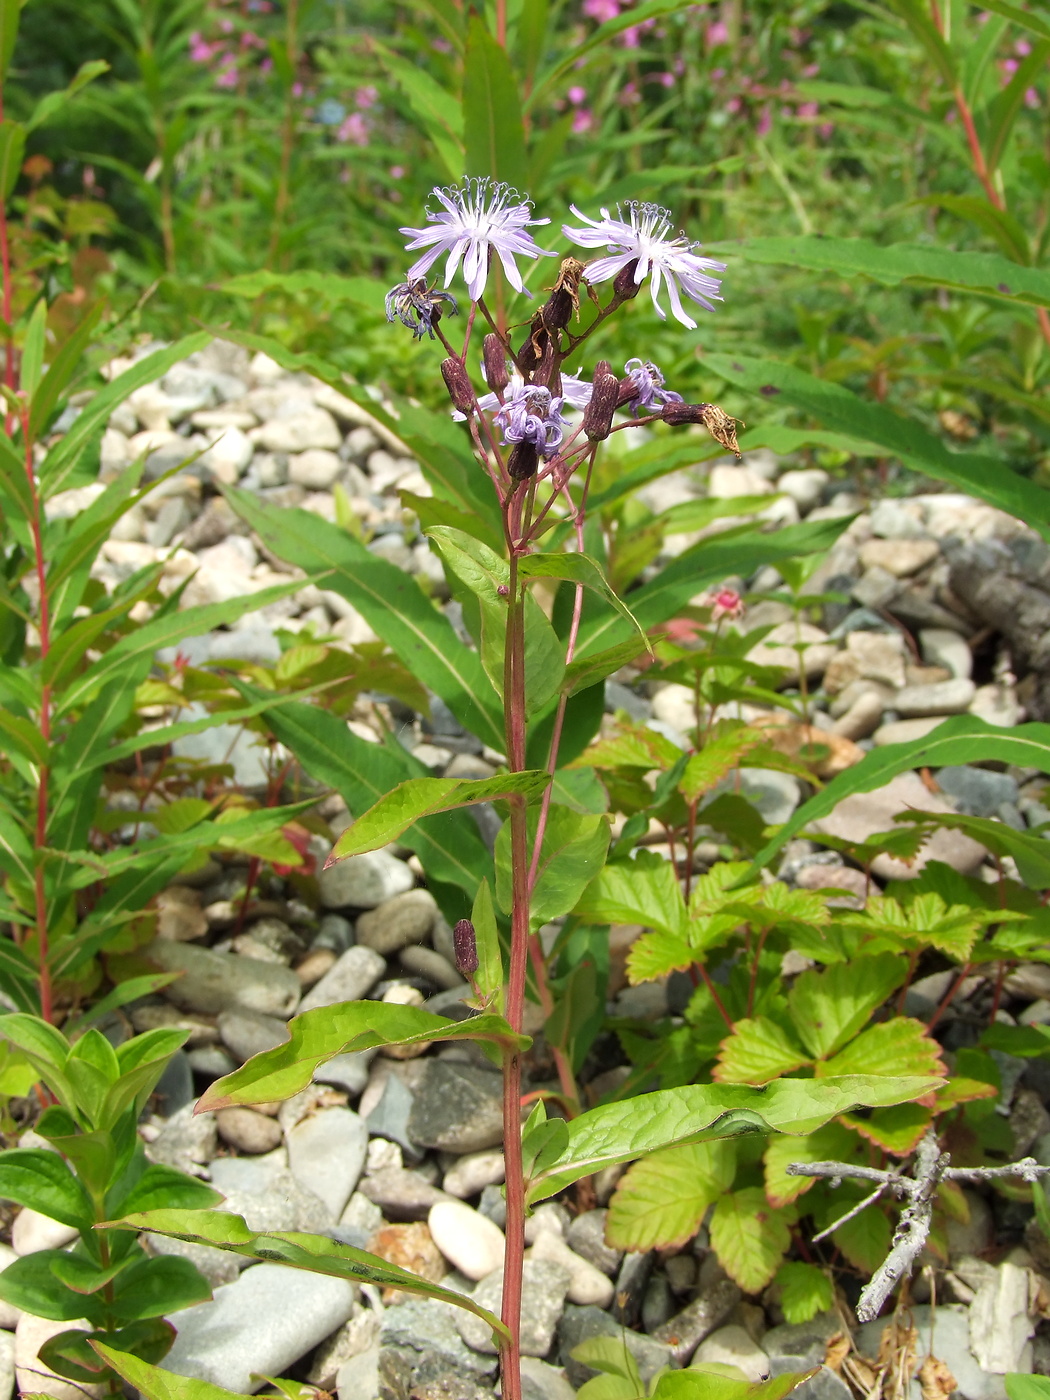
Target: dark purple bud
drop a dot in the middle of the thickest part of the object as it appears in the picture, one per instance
(495, 358)
(465, 943)
(605, 396)
(522, 462)
(602, 367)
(457, 382)
(558, 308)
(625, 287)
(627, 390)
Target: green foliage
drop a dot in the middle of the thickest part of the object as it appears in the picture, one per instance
(98, 1168)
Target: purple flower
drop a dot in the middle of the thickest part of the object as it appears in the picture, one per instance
(639, 234)
(648, 382)
(575, 392)
(531, 415)
(418, 307)
(479, 217)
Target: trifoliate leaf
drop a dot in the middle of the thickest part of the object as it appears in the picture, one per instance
(644, 890)
(756, 1052)
(657, 954)
(631, 746)
(662, 1199)
(898, 1130)
(723, 751)
(864, 1240)
(898, 1047)
(805, 1291)
(830, 1007)
(750, 1237)
(832, 1143)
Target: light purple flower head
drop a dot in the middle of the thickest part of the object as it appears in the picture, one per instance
(639, 234)
(530, 414)
(648, 382)
(575, 393)
(479, 217)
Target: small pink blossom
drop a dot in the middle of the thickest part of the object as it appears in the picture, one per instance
(734, 105)
(808, 109)
(1010, 66)
(629, 94)
(666, 80)
(366, 97)
(717, 33)
(227, 78)
(765, 121)
(1031, 97)
(601, 10)
(826, 130)
(297, 89)
(577, 95)
(582, 120)
(725, 602)
(397, 172)
(266, 66)
(630, 38)
(354, 130)
(811, 70)
(1023, 48)
(717, 74)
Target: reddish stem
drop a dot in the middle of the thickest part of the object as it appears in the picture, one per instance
(949, 995)
(754, 970)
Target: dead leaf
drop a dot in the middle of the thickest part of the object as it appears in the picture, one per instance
(936, 1380)
(839, 1346)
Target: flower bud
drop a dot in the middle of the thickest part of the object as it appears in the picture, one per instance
(522, 462)
(602, 367)
(717, 422)
(457, 382)
(465, 944)
(564, 300)
(495, 359)
(605, 396)
(625, 287)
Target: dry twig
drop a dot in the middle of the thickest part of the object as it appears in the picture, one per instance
(931, 1167)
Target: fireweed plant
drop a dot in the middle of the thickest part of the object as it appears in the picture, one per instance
(535, 429)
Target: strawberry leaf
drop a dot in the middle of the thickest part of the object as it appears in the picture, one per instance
(750, 1237)
(662, 1199)
(830, 1007)
(757, 1051)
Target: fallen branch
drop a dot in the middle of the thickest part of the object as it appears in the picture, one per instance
(931, 1167)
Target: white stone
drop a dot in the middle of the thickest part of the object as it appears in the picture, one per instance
(1000, 1325)
(943, 647)
(228, 456)
(358, 1378)
(901, 558)
(299, 431)
(114, 454)
(906, 731)
(364, 881)
(264, 1322)
(733, 1346)
(467, 1239)
(778, 649)
(804, 487)
(7, 1365)
(32, 1376)
(586, 1283)
(317, 469)
(352, 977)
(938, 698)
(726, 482)
(326, 1153)
(997, 704)
(473, 1172)
(879, 656)
(675, 705)
(32, 1232)
(9, 1314)
(862, 718)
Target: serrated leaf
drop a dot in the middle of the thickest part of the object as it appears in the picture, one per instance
(631, 746)
(426, 797)
(316, 1036)
(864, 1240)
(829, 1007)
(757, 1051)
(750, 1237)
(897, 1130)
(644, 890)
(805, 1291)
(900, 1046)
(719, 756)
(661, 1200)
(656, 955)
(832, 1143)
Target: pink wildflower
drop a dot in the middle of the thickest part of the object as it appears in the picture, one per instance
(717, 33)
(354, 129)
(582, 120)
(725, 602)
(765, 121)
(601, 10)
(576, 95)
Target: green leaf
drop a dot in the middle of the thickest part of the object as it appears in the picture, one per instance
(10, 14)
(832, 1143)
(836, 406)
(927, 265)
(897, 1130)
(425, 797)
(450, 846)
(53, 102)
(701, 1382)
(617, 1132)
(580, 569)
(316, 1036)
(1035, 24)
(42, 1180)
(961, 739)
(392, 603)
(316, 1253)
(154, 1382)
(34, 348)
(724, 750)
(1003, 110)
(805, 1291)
(1022, 1387)
(900, 1046)
(490, 977)
(72, 1353)
(12, 151)
(437, 109)
(662, 1199)
(63, 457)
(153, 1287)
(864, 1240)
(917, 17)
(30, 1284)
(160, 1186)
(757, 1051)
(829, 1007)
(572, 852)
(494, 137)
(1029, 849)
(644, 890)
(750, 1237)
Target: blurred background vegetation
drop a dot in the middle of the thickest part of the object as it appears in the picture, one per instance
(249, 162)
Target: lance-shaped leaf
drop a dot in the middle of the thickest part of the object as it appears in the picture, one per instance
(583, 570)
(316, 1036)
(425, 797)
(700, 1112)
(837, 407)
(298, 1250)
(961, 739)
(154, 1382)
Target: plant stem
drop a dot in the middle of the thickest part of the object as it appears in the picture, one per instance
(44, 627)
(7, 304)
(280, 206)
